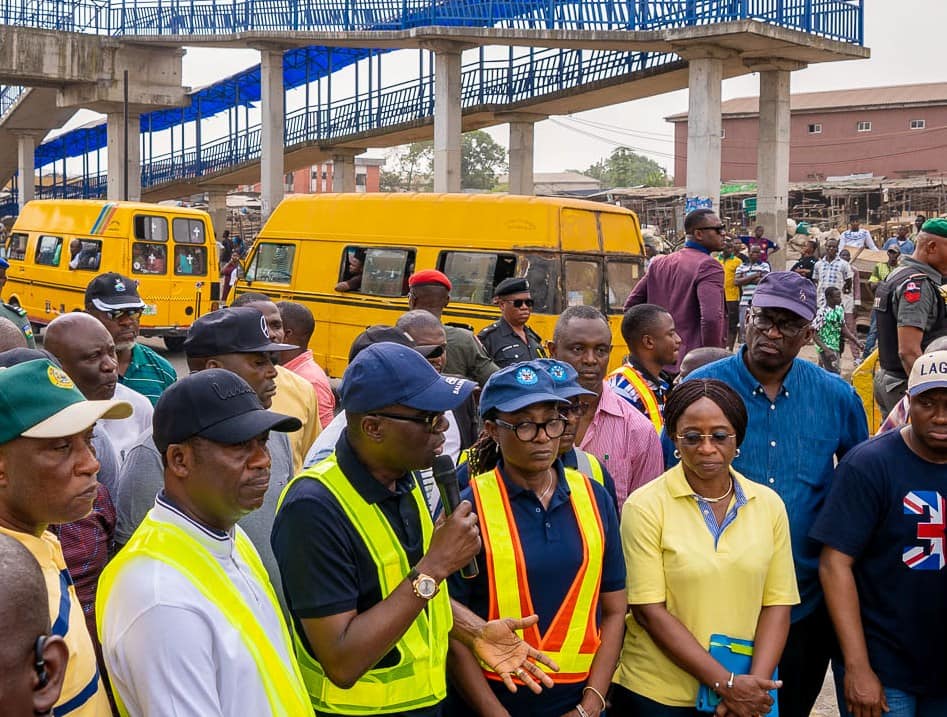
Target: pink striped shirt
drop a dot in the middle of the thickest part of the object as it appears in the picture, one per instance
(625, 442)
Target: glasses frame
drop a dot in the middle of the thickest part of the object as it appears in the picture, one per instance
(719, 228)
(787, 332)
(520, 303)
(119, 314)
(534, 427)
(717, 438)
(429, 421)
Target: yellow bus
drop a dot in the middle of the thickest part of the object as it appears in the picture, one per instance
(57, 246)
(571, 251)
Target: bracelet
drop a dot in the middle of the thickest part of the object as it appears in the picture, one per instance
(597, 694)
(581, 710)
(730, 682)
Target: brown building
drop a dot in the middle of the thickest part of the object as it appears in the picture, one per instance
(317, 179)
(883, 131)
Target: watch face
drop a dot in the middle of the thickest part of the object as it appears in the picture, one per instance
(426, 587)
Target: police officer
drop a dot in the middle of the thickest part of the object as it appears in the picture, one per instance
(509, 340)
(910, 310)
(14, 313)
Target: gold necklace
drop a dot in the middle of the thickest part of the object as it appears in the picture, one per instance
(717, 500)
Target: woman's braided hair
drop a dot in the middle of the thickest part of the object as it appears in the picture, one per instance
(686, 393)
(483, 455)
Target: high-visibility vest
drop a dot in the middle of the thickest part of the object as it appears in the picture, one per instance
(648, 398)
(419, 679)
(169, 544)
(589, 465)
(573, 637)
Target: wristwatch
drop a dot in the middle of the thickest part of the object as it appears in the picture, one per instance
(425, 587)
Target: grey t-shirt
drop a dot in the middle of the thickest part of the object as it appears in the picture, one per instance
(108, 459)
(142, 478)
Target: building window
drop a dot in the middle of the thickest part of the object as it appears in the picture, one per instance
(863, 126)
(815, 128)
(918, 124)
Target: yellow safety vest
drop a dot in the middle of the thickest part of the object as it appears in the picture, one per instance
(172, 546)
(573, 637)
(651, 406)
(420, 677)
(589, 465)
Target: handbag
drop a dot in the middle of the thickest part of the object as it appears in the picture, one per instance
(736, 655)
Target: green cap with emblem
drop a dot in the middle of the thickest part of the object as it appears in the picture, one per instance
(38, 400)
(935, 226)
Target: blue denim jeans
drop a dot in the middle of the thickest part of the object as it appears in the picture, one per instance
(900, 703)
(872, 339)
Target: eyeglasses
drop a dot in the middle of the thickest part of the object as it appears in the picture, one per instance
(692, 439)
(119, 314)
(575, 409)
(528, 430)
(431, 350)
(433, 422)
(520, 303)
(787, 329)
(718, 228)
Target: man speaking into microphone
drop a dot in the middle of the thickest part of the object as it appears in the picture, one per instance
(363, 566)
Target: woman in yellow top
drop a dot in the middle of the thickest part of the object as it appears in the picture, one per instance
(707, 553)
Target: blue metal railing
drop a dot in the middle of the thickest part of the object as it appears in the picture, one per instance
(9, 94)
(835, 19)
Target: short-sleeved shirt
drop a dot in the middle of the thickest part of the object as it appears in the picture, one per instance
(325, 564)
(806, 263)
(305, 366)
(83, 694)
(831, 273)
(711, 583)
(17, 315)
(828, 323)
(747, 290)
(506, 348)
(295, 396)
(731, 292)
(857, 240)
(916, 299)
(553, 553)
(887, 509)
(148, 373)
(791, 446)
(765, 245)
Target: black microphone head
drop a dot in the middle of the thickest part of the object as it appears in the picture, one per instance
(444, 469)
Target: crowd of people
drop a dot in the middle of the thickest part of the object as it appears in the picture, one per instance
(695, 531)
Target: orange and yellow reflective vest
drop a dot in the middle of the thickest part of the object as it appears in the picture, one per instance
(648, 398)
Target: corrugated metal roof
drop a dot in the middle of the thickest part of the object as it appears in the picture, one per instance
(930, 93)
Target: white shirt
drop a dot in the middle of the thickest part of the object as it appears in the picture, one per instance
(857, 240)
(169, 652)
(126, 432)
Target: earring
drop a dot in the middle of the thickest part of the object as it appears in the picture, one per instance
(737, 454)
(677, 454)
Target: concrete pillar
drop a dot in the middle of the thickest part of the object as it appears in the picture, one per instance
(522, 126)
(217, 208)
(272, 134)
(343, 171)
(26, 167)
(772, 171)
(447, 118)
(705, 75)
(121, 164)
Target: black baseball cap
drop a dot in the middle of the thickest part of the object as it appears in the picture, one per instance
(215, 404)
(234, 330)
(112, 291)
(392, 334)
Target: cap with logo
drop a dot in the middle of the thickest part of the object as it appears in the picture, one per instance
(215, 404)
(113, 292)
(234, 330)
(512, 285)
(786, 290)
(388, 374)
(518, 386)
(429, 277)
(38, 400)
(929, 371)
(565, 379)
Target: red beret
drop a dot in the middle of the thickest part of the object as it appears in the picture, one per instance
(429, 276)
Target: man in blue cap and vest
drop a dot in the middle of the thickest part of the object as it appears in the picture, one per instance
(362, 564)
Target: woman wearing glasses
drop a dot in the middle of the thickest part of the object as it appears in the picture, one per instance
(551, 548)
(707, 553)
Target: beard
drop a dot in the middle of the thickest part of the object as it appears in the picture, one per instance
(123, 346)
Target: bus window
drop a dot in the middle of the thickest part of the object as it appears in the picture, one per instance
(386, 271)
(85, 254)
(16, 246)
(583, 281)
(187, 231)
(272, 263)
(149, 228)
(48, 250)
(190, 260)
(542, 273)
(622, 275)
(149, 258)
(474, 274)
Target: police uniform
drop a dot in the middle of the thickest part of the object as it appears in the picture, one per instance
(18, 316)
(466, 355)
(500, 341)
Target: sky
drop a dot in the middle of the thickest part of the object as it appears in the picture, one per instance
(905, 39)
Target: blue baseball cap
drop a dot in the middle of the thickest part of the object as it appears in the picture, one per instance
(519, 386)
(388, 374)
(564, 377)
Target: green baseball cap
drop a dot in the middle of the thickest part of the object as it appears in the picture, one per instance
(38, 400)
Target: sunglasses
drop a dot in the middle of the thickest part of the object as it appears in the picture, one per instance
(520, 303)
(431, 350)
(719, 228)
(117, 314)
(693, 439)
(432, 422)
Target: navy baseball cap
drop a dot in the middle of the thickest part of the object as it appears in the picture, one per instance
(215, 404)
(388, 374)
(519, 386)
(234, 330)
(113, 292)
(786, 290)
(565, 378)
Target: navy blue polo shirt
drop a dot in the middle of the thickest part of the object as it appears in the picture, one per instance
(325, 566)
(552, 547)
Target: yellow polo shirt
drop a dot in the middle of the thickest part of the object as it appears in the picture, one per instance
(83, 694)
(731, 292)
(671, 558)
(295, 396)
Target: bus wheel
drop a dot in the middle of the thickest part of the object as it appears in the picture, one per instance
(174, 343)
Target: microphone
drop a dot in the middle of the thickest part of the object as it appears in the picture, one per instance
(445, 476)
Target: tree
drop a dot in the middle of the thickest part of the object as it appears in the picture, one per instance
(482, 159)
(624, 168)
